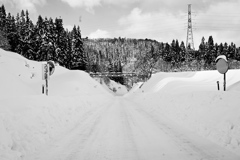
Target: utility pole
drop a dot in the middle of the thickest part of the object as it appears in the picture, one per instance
(189, 30)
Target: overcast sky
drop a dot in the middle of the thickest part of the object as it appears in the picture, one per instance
(162, 20)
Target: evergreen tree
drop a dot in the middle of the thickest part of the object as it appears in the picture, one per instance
(220, 49)
(25, 36)
(69, 50)
(182, 52)
(212, 54)
(225, 49)
(231, 51)
(60, 41)
(202, 48)
(79, 58)
(237, 57)
(173, 52)
(12, 34)
(167, 54)
(4, 42)
(3, 16)
(39, 34)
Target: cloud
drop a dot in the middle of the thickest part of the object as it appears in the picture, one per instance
(220, 20)
(174, 6)
(120, 3)
(68, 27)
(99, 34)
(154, 25)
(29, 5)
(171, 6)
(89, 4)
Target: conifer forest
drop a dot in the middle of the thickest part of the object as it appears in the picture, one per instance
(49, 40)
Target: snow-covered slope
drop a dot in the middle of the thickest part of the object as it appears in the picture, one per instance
(192, 100)
(113, 87)
(29, 119)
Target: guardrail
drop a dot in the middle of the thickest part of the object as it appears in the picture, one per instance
(115, 74)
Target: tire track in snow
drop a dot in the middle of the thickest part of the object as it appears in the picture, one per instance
(193, 146)
(66, 146)
(125, 130)
(112, 138)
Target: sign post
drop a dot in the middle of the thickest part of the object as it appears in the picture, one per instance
(51, 67)
(45, 76)
(222, 67)
(224, 81)
(218, 85)
(47, 70)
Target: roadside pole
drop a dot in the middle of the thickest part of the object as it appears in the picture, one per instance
(45, 76)
(46, 86)
(48, 69)
(222, 67)
(224, 81)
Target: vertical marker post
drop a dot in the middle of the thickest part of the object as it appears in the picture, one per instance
(224, 81)
(45, 76)
(47, 70)
(46, 86)
(42, 88)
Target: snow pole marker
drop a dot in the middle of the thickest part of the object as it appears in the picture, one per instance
(218, 85)
(224, 81)
(48, 69)
(42, 88)
(45, 76)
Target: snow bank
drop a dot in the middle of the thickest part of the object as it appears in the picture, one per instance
(29, 119)
(189, 81)
(113, 87)
(193, 101)
(27, 123)
(135, 87)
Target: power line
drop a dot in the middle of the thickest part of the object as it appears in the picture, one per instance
(214, 13)
(159, 26)
(217, 20)
(215, 28)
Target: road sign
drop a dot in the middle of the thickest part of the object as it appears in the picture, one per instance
(222, 64)
(222, 67)
(45, 71)
(51, 67)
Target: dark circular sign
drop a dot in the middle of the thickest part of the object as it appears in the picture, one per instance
(51, 67)
(222, 66)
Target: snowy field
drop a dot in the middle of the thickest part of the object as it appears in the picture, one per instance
(177, 116)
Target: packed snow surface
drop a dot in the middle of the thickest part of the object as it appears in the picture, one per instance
(112, 86)
(177, 116)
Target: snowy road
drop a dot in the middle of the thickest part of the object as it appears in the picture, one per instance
(124, 130)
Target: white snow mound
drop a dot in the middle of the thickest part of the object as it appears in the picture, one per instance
(193, 100)
(29, 119)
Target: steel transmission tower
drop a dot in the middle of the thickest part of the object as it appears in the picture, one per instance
(189, 30)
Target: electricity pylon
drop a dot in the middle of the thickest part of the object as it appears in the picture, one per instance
(189, 30)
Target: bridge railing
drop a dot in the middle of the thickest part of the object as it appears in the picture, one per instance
(115, 74)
